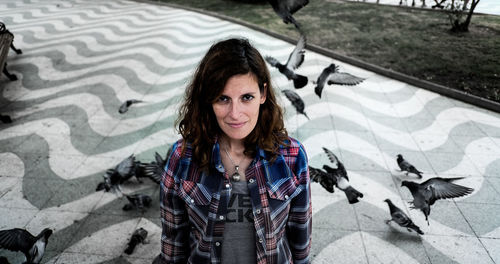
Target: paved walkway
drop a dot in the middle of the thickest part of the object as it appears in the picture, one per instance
(81, 59)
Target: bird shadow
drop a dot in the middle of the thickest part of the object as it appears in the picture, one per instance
(397, 234)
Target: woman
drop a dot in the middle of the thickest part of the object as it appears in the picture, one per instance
(236, 187)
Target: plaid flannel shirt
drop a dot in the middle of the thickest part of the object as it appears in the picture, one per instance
(194, 205)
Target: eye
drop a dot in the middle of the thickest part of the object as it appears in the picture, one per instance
(247, 97)
(222, 99)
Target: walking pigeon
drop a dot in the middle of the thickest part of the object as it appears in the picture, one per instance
(331, 75)
(124, 107)
(427, 192)
(139, 236)
(285, 9)
(335, 176)
(297, 102)
(138, 201)
(398, 216)
(295, 59)
(406, 166)
(21, 240)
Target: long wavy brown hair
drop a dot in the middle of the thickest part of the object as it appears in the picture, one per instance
(197, 122)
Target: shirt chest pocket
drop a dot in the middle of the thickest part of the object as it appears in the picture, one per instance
(283, 192)
(194, 194)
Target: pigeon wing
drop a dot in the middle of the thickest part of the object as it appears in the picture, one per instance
(316, 174)
(125, 167)
(404, 165)
(332, 157)
(16, 239)
(297, 102)
(296, 58)
(442, 188)
(343, 78)
(274, 62)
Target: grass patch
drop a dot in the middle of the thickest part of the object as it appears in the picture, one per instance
(411, 41)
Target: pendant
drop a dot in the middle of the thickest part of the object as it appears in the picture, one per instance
(236, 175)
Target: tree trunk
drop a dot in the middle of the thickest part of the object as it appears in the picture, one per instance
(464, 26)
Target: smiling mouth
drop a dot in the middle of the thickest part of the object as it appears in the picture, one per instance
(236, 125)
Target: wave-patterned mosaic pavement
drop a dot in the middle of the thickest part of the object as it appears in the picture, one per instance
(82, 59)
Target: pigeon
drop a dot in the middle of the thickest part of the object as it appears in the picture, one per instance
(398, 216)
(406, 166)
(285, 9)
(116, 176)
(139, 236)
(335, 176)
(427, 192)
(297, 102)
(124, 106)
(138, 201)
(21, 240)
(5, 119)
(295, 59)
(4, 260)
(331, 75)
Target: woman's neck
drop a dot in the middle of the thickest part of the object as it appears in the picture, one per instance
(233, 146)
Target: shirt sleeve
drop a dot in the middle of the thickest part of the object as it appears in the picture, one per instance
(174, 218)
(299, 226)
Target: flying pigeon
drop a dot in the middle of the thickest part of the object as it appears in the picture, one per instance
(285, 9)
(138, 201)
(139, 236)
(124, 107)
(427, 192)
(21, 240)
(335, 176)
(297, 102)
(116, 176)
(295, 59)
(331, 75)
(406, 166)
(5, 119)
(398, 216)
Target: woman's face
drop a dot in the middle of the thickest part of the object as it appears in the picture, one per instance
(237, 109)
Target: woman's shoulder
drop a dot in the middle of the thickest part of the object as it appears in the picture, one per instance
(292, 147)
(177, 149)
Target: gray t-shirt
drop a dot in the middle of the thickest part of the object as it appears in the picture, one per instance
(239, 229)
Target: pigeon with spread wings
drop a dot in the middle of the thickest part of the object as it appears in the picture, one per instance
(426, 193)
(295, 59)
(331, 75)
(336, 175)
(285, 9)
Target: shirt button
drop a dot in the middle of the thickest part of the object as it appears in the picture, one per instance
(258, 211)
(192, 201)
(217, 243)
(286, 197)
(227, 186)
(260, 240)
(251, 180)
(221, 217)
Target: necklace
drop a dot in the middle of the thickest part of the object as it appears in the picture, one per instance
(236, 174)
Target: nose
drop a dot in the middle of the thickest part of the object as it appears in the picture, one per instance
(235, 110)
